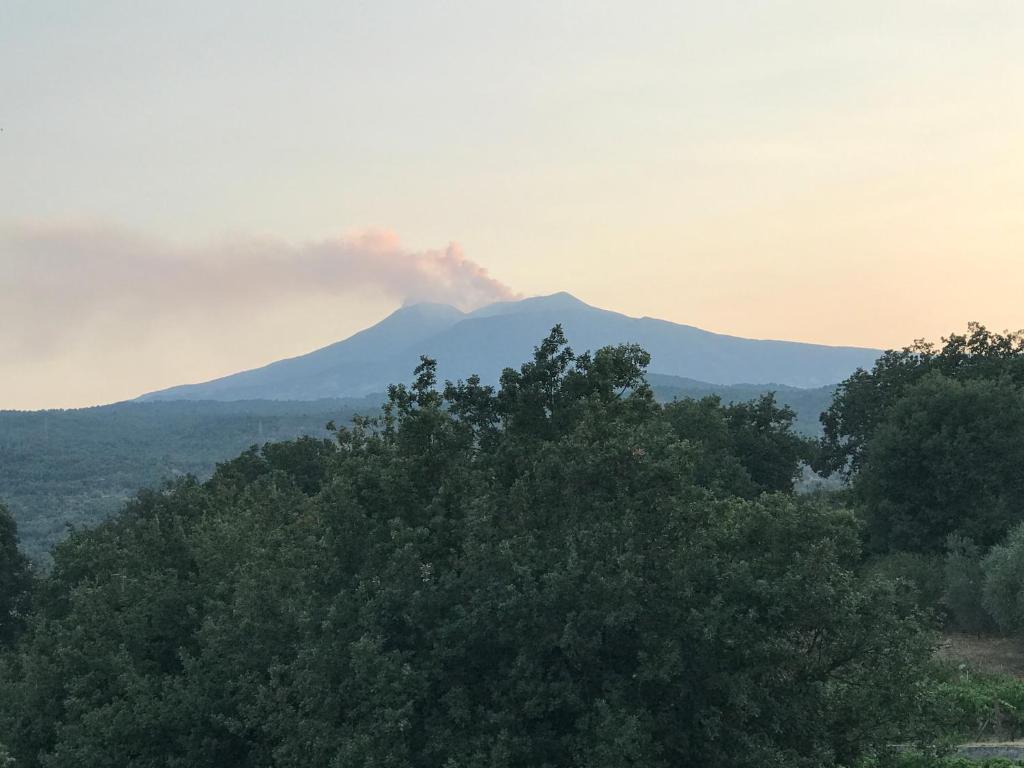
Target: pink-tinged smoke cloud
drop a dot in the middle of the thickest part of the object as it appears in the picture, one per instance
(57, 280)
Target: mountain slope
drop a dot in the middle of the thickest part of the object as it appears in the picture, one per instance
(487, 340)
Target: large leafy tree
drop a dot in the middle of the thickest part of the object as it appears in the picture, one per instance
(534, 575)
(746, 448)
(933, 438)
(946, 461)
(862, 402)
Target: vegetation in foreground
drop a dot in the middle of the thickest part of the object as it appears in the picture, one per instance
(931, 441)
(558, 572)
(75, 468)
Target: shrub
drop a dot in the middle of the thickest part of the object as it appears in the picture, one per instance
(920, 572)
(1003, 594)
(976, 706)
(964, 580)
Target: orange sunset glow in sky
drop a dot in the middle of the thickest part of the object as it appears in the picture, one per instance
(191, 189)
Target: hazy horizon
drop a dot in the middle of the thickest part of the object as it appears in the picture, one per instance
(195, 190)
(437, 301)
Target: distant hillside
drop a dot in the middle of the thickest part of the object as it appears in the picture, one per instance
(491, 338)
(808, 403)
(78, 466)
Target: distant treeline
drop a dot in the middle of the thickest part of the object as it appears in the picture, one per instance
(77, 467)
(63, 468)
(807, 404)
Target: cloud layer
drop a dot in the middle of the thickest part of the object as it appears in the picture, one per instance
(56, 281)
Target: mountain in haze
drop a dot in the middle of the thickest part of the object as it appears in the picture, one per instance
(499, 335)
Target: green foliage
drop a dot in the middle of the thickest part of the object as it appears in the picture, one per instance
(913, 759)
(862, 403)
(748, 448)
(964, 581)
(973, 706)
(947, 461)
(1003, 569)
(15, 581)
(950, 586)
(539, 575)
(78, 467)
(806, 403)
(933, 438)
(921, 573)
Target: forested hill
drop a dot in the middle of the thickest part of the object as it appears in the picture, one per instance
(79, 466)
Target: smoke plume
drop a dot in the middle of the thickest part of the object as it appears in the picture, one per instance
(91, 315)
(55, 280)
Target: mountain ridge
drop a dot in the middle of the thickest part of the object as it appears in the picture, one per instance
(488, 339)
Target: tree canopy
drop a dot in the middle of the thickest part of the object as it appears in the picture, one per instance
(862, 402)
(15, 580)
(946, 461)
(547, 573)
(933, 441)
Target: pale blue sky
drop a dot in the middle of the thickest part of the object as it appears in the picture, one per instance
(807, 170)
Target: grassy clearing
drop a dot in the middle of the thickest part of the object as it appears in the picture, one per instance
(991, 655)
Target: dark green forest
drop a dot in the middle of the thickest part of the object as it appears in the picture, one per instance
(557, 571)
(77, 467)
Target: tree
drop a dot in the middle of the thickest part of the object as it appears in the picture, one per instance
(862, 402)
(932, 439)
(946, 461)
(964, 582)
(746, 448)
(15, 580)
(1003, 570)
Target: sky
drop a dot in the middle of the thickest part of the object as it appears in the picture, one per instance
(190, 189)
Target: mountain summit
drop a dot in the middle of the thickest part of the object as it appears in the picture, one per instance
(489, 339)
